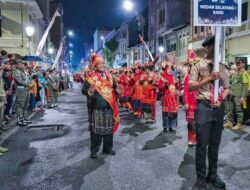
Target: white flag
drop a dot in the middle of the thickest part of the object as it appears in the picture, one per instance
(45, 35)
(59, 52)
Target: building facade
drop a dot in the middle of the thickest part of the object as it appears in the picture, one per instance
(167, 29)
(99, 37)
(16, 15)
(238, 38)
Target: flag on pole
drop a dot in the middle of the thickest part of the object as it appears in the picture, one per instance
(147, 48)
(45, 35)
(59, 52)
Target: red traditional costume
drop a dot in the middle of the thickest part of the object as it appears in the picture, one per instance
(168, 85)
(137, 92)
(128, 91)
(190, 102)
(101, 91)
(149, 95)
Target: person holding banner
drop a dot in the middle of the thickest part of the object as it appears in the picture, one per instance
(101, 91)
(209, 115)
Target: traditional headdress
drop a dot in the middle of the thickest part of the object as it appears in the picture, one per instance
(95, 60)
(192, 58)
(165, 64)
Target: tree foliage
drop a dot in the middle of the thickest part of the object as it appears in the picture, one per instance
(112, 45)
(110, 51)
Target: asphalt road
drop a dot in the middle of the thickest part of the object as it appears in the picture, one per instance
(56, 157)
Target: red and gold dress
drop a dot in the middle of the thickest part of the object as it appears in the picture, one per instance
(190, 104)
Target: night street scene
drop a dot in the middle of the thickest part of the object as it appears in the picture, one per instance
(124, 94)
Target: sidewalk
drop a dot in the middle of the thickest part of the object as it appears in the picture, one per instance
(12, 128)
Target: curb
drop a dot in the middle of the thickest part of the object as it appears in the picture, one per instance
(13, 128)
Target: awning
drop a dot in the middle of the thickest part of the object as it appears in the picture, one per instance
(36, 59)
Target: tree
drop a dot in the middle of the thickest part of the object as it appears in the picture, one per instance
(110, 51)
(109, 56)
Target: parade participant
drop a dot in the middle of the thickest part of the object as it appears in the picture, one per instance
(168, 86)
(209, 115)
(190, 101)
(149, 94)
(238, 93)
(101, 90)
(128, 88)
(122, 84)
(53, 88)
(23, 82)
(137, 91)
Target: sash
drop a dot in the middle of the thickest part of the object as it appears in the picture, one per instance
(105, 88)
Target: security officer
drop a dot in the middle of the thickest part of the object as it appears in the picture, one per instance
(23, 83)
(209, 116)
(238, 94)
(53, 87)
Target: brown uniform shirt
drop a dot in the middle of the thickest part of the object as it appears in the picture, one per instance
(201, 70)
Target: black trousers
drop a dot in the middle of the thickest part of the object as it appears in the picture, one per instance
(96, 141)
(209, 126)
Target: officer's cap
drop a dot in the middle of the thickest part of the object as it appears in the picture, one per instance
(209, 41)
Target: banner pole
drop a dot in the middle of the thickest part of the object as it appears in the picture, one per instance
(217, 54)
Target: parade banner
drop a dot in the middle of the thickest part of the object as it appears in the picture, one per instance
(45, 35)
(217, 12)
(59, 52)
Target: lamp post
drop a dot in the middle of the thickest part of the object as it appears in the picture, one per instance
(30, 32)
(161, 50)
(71, 33)
(51, 51)
(128, 5)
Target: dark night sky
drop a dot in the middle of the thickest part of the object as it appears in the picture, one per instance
(84, 16)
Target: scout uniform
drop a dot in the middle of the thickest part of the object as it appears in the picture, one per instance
(238, 90)
(208, 121)
(23, 82)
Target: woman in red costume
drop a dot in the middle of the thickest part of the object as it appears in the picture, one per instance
(137, 91)
(168, 86)
(190, 101)
(149, 94)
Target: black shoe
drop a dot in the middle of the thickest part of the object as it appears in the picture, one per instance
(201, 184)
(22, 123)
(165, 130)
(27, 121)
(217, 182)
(93, 155)
(171, 130)
(112, 153)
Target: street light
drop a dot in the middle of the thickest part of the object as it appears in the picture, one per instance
(30, 32)
(161, 49)
(71, 33)
(102, 38)
(70, 45)
(128, 5)
(51, 51)
(71, 52)
(91, 50)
